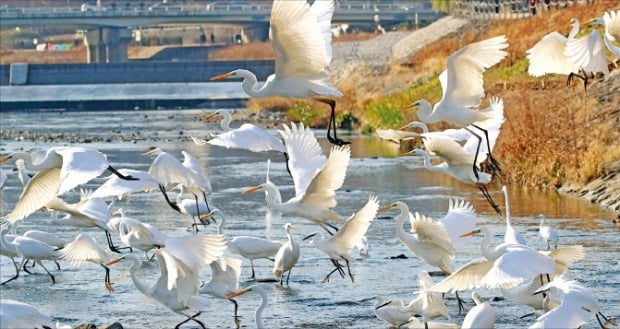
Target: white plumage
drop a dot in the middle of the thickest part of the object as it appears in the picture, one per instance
(287, 255)
(17, 315)
(480, 316)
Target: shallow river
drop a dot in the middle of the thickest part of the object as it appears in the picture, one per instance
(79, 295)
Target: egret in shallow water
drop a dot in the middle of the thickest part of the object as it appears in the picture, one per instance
(16, 314)
(287, 255)
(511, 235)
(180, 263)
(301, 40)
(547, 232)
(316, 178)
(85, 249)
(258, 319)
(339, 246)
(480, 316)
(225, 273)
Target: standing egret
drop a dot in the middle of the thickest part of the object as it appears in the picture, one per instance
(193, 208)
(415, 323)
(225, 274)
(142, 236)
(392, 311)
(511, 235)
(85, 249)
(62, 169)
(8, 251)
(316, 178)
(457, 164)
(32, 249)
(287, 255)
(611, 22)
(429, 304)
(258, 319)
(428, 239)
(168, 170)
(463, 90)
(578, 305)
(547, 233)
(180, 263)
(339, 246)
(16, 314)
(301, 40)
(480, 316)
(50, 239)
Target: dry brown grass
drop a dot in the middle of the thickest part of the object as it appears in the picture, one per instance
(360, 36)
(252, 50)
(75, 55)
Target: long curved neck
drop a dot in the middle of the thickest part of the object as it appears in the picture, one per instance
(47, 162)
(225, 123)
(259, 311)
(289, 235)
(615, 50)
(270, 197)
(487, 251)
(400, 220)
(428, 165)
(137, 281)
(418, 124)
(425, 113)
(507, 207)
(249, 84)
(574, 30)
(220, 226)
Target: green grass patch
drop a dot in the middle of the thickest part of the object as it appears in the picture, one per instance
(304, 112)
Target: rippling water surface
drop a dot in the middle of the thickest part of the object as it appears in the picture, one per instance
(79, 295)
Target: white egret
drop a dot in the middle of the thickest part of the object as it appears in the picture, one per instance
(258, 319)
(32, 249)
(339, 246)
(392, 311)
(16, 314)
(121, 188)
(415, 323)
(169, 170)
(193, 207)
(428, 239)
(578, 305)
(316, 179)
(85, 249)
(248, 137)
(8, 251)
(511, 235)
(142, 236)
(480, 316)
(457, 164)
(301, 40)
(611, 22)
(502, 266)
(463, 90)
(252, 248)
(3, 177)
(588, 52)
(62, 169)
(428, 304)
(225, 274)
(180, 263)
(547, 232)
(50, 239)
(287, 255)
(548, 55)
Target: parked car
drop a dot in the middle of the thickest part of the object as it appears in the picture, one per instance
(92, 7)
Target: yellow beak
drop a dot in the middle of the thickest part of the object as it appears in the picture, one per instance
(408, 107)
(221, 76)
(404, 154)
(403, 127)
(470, 233)
(149, 152)
(5, 159)
(238, 293)
(251, 190)
(113, 261)
(205, 216)
(388, 207)
(211, 115)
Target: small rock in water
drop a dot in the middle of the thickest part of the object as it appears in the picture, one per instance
(114, 325)
(86, 326)
(401, 256)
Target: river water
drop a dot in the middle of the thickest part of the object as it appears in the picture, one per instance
(79, 295)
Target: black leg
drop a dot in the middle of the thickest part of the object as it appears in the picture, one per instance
(288, 276)
(475, 167)
(57, 264)
(459, 302)
(48, 272)
(111, 245)
(173, 205)
(16, 273)
(191, 318)
(338, 267)
(492, 161)
(326, 279)
(332, 122)
(349, 270)
(121, 176)
(288, 169)
(486, 194)
(23, 266)
(323, 225)
(252, 266)
(236, 306)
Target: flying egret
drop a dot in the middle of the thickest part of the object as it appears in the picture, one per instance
(429, 240)
(287, 255)
(301, 40)
(85, 249)
(501, 266)
(180, 263)
(511, 235)
(316, 179)
(258, 319)
(62, 169)
(588, 53)
(611, 22)
(16, 314)
(168, 170)
(457, 164)
(248, 137)
(225, 274)
(338, 247)
(547, 233)
(480, 316)
(142, 236)
(463, 90)
(578, 305)
(429, 304)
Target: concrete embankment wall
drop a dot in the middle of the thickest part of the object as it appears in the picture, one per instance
(131, 72)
